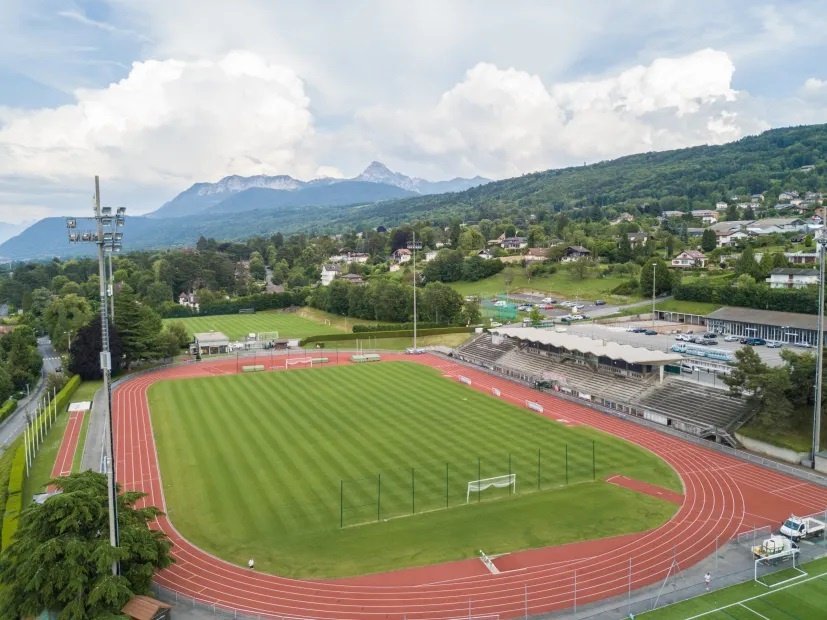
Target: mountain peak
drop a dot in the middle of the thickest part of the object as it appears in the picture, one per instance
(377, 166)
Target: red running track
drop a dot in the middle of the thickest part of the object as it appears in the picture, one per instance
(68, 445)
(722, 496)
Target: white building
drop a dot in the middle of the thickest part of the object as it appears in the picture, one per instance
(771, 225)
(690, 259)
(786, 277)
(329, 273)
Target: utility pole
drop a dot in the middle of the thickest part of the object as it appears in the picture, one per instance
(414, 246)
(654, 277)
(822, 244)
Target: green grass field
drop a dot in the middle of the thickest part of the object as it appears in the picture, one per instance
(269, 465)
(563, 284)
(237, 326)
(803, 599)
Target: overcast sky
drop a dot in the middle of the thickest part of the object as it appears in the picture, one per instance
(154, 95)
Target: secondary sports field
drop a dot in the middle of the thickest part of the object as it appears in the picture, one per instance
(237, 326)
(272, 465)
(803, 599)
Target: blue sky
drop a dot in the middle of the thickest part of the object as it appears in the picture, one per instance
(158, 94)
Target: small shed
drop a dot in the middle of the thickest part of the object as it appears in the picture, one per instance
(146, 608)
(210, 343)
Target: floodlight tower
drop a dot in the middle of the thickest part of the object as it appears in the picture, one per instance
(821, 238)
(414, 245)
(108, 237)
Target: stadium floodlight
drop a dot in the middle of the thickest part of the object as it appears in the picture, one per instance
(821, 238)
(109, 241)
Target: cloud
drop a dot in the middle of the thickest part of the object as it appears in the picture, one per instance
(506, 121)
(169, 122)
(815, 86)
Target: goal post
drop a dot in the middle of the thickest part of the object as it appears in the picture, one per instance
(499, 482)
(775, 570)
(298, 361)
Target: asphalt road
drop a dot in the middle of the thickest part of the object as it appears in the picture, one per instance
(13, 426)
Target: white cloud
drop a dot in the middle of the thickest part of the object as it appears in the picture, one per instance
(169, 121)
(506, 121)
(815, 86)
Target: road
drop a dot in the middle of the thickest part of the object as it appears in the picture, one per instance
(12, 427)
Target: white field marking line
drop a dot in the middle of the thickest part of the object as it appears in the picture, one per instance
(753, 611)
(757, 596)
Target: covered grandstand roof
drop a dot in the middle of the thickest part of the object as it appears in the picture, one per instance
(612, 350)
(766, 317)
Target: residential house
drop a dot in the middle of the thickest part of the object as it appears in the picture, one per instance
(637, 239)
(497, 241)
(788, 195)
(514, 243)
(189, 300)
(353, 278)
(757, 198)
(350, 257)
(329, 273)
(802, 258)
(430, 255)
(695, 232)
(790, 277)
(535, 255)
(623, 217)
(672, 214)
(707, 216)
(485, 254)
(721, 206)
(575, 252)
(728, 237)
(690, 259)
(402, 255)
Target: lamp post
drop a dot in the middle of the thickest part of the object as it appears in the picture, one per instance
(822, 243)
(414, 245)
(654, 276)
(107, 236)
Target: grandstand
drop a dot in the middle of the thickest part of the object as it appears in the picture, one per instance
(617, 377)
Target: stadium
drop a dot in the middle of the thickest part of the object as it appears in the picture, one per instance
(245, 457)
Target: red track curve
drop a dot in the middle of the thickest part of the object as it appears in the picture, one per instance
(722, 496)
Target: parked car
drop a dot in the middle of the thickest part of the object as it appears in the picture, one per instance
(683, 338)
(637, 330)
(577, 317)
(754, 342)
(599, 302)
(525, 308)
(710, 335)
(650, 332)
(773, 344)
(730, 338)
(803, 344)
(496, 324)
(549, 300)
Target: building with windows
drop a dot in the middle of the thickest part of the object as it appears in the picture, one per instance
(785, 277)
(690, 259)
(792, 328)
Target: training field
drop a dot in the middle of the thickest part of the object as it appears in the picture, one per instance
(317, 472)
(802, 599)
(237, 326)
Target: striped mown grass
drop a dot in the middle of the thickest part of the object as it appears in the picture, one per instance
(312, 471)
(237, 326)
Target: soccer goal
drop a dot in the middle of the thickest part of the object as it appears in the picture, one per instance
(267, 336)
(499, 482)
(777, 569)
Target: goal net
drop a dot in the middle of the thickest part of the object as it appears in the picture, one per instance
(299, 361)
(498, 482)
(266, 336)
(778, 568)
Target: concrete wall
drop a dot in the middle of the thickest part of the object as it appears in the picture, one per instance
(761, 447)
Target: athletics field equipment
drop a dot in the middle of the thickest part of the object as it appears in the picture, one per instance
(292, 461)
(722, 496)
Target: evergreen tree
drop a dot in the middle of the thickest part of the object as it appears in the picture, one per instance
(84, 355)
(138, 325)
(708, 240)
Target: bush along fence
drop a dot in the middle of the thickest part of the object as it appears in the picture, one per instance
(359, 327)
(263, 301)
(9, 407)
(396, 333)
(46, 412)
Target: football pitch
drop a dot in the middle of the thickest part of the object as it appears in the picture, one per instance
(802, 599)
(237, 326)
(338, 471)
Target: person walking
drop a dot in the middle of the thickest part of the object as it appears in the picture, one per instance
(251, 563)
(707, 580)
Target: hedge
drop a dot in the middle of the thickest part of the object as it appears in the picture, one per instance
(396, 333)
(261, 301)
(6, 460)
(9, 407)
(14, 498)
(803, 300)
(360, 327)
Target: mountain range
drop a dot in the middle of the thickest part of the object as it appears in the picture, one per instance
(242, 207)
(235, 193)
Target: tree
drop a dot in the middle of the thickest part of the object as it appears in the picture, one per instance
(23, 360)
(440, 303)
(624, 249)
(535, 316)
(84, 355)
(469, 240)
(708, 240)
(663, 277)
(138, 325)
(765, 388)
(471, 314)
(746, 264)
(65, 315)
(60, 557)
